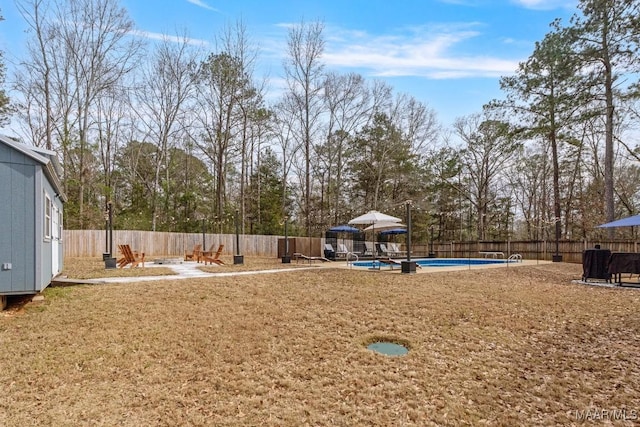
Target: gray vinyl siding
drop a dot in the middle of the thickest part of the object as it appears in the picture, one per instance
(17, 214)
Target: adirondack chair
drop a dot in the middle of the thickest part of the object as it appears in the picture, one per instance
(208, 253)
(122, 261)
(129, 257)
(194, 254)
(215, 259)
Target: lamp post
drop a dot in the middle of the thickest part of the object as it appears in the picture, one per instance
(204, 229)
(557, 257)
(237, 258)
(109, 260)
(431, 253)
(106, 254)
(408, 266)
(110, 208)
(286, 258)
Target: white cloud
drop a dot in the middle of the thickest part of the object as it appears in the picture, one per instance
(546, 4)
(177, 39)
(435, 52)
(202, 4)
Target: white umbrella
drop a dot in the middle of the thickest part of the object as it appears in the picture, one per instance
(384, 225)
(373, 217)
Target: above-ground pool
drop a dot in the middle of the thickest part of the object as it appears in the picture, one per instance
(437, 262)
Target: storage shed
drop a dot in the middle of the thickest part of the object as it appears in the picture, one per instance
(31, 203)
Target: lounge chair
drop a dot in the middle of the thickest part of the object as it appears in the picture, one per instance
(329, 252)
(129, 257)
(369, 249)
(342, 250)
(396, 250)
(383, 250)
(298, 256)
(194, 254)
(392, 263)
(215, 259)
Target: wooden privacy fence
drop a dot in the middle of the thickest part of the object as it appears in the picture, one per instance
(91, 243)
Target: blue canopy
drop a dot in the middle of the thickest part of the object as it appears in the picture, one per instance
(394, 231)
(344, 229)
(624, 222)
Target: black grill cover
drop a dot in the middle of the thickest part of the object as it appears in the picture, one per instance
(624, 262)
(595, 264)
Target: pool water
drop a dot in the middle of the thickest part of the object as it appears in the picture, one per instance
(439, 262)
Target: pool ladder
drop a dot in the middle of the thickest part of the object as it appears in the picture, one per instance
(350, 262)
(515, 257)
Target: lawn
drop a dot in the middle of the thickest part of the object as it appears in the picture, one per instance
(503, 346)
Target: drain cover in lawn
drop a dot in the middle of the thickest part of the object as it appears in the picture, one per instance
(388, 348)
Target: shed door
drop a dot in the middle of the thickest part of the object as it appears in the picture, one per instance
(55, 242)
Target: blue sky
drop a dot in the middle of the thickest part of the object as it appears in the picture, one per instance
(448, 54)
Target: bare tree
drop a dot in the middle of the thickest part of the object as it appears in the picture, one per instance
(227, 101)
(80, 51)
(4, 99)
(304, 74)
(489, 146)
(418, 123)
(160, 103)
(112, 123)
(34, 80)
(348, 101)
(236, 41)
(284, 133)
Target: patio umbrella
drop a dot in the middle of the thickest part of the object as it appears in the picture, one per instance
(384, 225)
(373, 218)
(630, 221)
(394, 231)
(344, 229)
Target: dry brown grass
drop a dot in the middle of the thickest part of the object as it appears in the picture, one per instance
(517, 346)
(255, 263)
(93, 268)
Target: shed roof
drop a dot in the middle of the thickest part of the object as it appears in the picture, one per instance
(47, 158)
